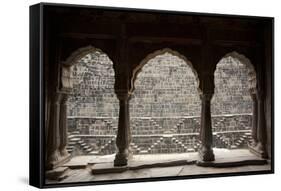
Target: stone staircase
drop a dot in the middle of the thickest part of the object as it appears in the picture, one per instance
(187, 125)
(135, 148)
(74, 142)
(169, 144)
(220, 141)
(226, 141)
(159, 135)
(107, 148)
(243, 140)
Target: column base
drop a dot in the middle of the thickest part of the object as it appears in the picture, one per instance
(206, 154)
(57, 160)
(121, 159)
(57, 174)
(64, 152)
(258, 150)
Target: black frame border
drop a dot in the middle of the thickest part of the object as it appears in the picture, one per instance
(37, 98)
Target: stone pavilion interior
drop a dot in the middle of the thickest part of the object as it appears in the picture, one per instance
(136, 94)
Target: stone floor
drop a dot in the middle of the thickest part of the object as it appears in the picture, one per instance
(81, 168)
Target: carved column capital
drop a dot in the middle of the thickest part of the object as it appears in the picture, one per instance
(260, 95)
(56, 98)
(253, 95)
(64, 98)
(60, 97)
(66, 83)
(123, 95)
(206, 96)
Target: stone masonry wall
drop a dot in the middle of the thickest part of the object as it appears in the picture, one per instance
(165, 87)
(164, 109)
(231, 88)
(93, 88)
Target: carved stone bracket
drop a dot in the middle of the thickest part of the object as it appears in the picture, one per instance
(66, 79)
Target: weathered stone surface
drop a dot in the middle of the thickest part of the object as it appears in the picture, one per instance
(232, 88)
(164, 108)
(57, 173)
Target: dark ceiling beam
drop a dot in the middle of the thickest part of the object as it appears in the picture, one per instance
(88, 35)
(176, 40)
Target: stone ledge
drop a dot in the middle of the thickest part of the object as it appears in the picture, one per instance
(109, 167)
(105, 168)
(256, 151)
(228, 164)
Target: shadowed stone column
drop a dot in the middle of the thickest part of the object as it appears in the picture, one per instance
(53, 139)
(254, 118)
(124, 134)
(57, 132)
(260, 147)
(206, 136)
(261, 130)
(63, 126)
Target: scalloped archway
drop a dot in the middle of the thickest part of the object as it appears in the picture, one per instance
(92, 106)
(232, 103)
(150, 56)
(165, 105)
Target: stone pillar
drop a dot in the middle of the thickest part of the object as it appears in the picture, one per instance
(206, 136)
(123, 134)
(53, 139)
(57, 132)
(254, 118)
(261, 130)
(260, 147)
(63, 126)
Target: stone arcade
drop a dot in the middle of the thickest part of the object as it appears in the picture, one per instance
(128, 52)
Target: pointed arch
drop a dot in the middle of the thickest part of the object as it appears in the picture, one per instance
(246, 61)
(92, 106)
(66, 74)
(80, 53)
(232, 103)
(138, 69)
(165, 102)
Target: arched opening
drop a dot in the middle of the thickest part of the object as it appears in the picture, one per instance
(165, 105)
(232, 103)
(92, 106)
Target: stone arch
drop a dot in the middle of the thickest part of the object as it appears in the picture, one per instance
(246, 61)
(92, 106)
(81, 52)
(165, 105)
(150, 56)
(66, 78)
(233, 115)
